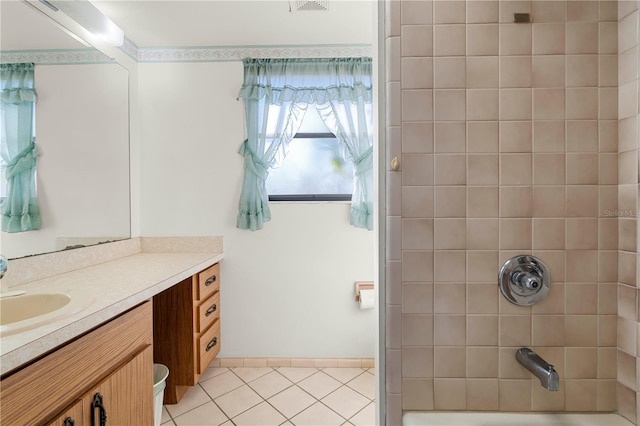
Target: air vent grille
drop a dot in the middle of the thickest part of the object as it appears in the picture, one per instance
(297, 5)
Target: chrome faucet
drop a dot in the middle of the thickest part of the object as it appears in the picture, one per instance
(540, 368)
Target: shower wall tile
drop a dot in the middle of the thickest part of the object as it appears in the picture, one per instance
(580, 395)
(450, 12)
(482, 362)
(514, 139)
(482, 394)
(482, 72)
(450, 394)
(415, 12)
(483, 11)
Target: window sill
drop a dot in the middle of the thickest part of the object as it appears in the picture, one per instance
(311, 202)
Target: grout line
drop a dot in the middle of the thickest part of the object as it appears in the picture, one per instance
(292, 384)
(277, 393)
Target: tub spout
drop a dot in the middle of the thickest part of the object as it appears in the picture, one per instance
(540, 368)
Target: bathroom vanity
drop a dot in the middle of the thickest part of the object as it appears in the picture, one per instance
(147, 306)
(186, 330)
(106, 372)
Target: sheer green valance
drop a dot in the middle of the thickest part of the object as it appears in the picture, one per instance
(19, 84)
(19, 209)
(276, 94)
(307, 81)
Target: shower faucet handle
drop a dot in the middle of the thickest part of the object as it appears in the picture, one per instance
(526, 280)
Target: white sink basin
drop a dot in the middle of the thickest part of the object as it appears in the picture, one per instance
(27, 306)
(26, 311)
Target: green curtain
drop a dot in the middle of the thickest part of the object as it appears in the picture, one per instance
(352, 122)
(20, 208)
(276, 94)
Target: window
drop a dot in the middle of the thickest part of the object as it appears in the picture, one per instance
(277, 94)
(315, 168)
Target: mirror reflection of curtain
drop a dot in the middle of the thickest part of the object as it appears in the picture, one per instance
(18, 150)
(342, 90)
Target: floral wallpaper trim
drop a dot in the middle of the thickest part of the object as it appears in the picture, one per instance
(55, 57)
(236, 53)
(130, 48)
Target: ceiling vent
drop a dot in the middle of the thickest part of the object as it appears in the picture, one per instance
(296, 5)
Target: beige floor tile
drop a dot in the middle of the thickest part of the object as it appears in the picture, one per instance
(319, 385)
(270, 384)
(317, 415)
(221, 384)
(238, 401)
(262, 414)
(205, 415)
(194, 397)
(366, 417)
(365, 384)
(212, 372)
(165, 416)
(343, 375)
(292, 401)
(249, 374)
(240, 393)
(345, 401)
(295, 374)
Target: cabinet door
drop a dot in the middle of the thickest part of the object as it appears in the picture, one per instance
(125, 397)
(71, 417)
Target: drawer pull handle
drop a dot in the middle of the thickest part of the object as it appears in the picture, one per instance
(68, 422)
(212, 343)
(97, 403)
(211, 280)
(211, 310)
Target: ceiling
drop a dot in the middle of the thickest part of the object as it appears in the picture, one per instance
(185, 23)
(24, 28)
(153, 23)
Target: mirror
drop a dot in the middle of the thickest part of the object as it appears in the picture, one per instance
(82, 135)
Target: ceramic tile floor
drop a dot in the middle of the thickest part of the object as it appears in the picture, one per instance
(277, 396)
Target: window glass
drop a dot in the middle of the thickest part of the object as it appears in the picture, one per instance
(314, 168)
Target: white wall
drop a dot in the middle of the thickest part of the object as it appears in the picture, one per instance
(83, 168)
(287, 290)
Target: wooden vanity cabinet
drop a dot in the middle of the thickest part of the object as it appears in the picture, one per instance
(71, 417)
(186, 330)
(114, 361)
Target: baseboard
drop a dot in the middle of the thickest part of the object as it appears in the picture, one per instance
(294, 362)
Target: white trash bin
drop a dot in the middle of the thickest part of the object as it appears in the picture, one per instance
(160, 374)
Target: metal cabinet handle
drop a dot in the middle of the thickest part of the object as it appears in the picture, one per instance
(211, 310)
(212, 343)
(97, 403)
(211, 280)
(68, 422)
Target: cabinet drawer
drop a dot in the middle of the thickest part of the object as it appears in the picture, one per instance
(208, 281)
(208, 311)
(209, 344)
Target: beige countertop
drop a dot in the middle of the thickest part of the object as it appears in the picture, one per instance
(104, 291)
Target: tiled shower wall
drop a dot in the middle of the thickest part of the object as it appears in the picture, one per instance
(507, 136)
(628, 312)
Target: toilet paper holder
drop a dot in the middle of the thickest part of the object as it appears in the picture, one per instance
(362, 285)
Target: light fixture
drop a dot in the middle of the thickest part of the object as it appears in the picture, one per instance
(90, 18)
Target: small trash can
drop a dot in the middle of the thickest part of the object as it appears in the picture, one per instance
(160, 374)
